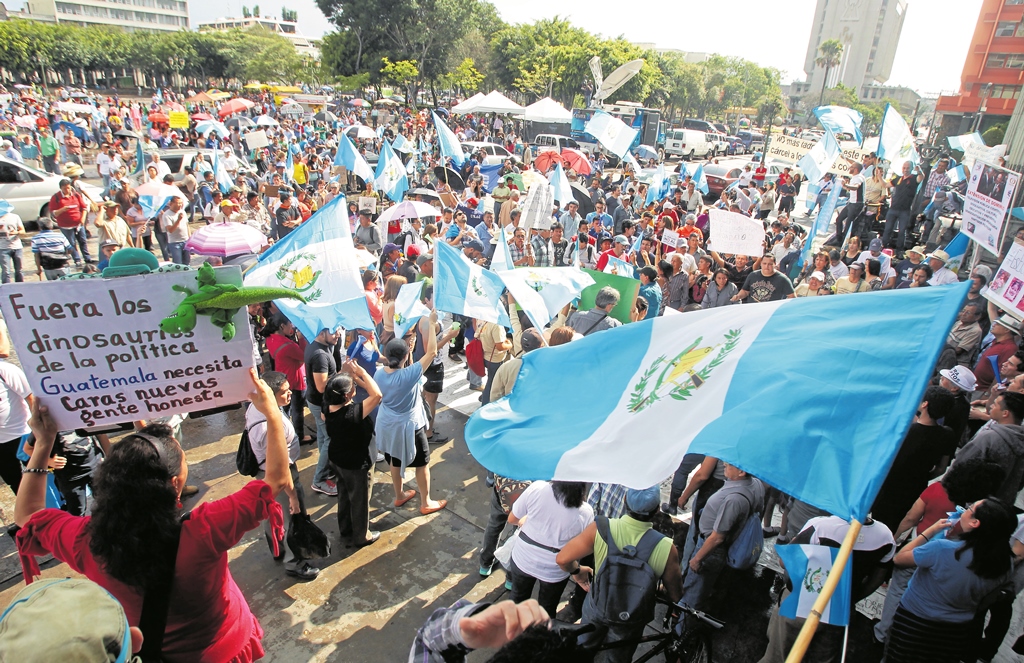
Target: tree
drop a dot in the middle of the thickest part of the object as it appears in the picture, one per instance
(401, 74)
(289, 15)
(830, 55)
(256, 11)
(466, 78)
(245, 12)
(994, 135)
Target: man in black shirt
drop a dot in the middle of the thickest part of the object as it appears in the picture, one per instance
(765, 285)
(321, 364)
(738, 270)
(903, 188)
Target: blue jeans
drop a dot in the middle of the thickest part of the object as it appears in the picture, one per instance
(7, 257)
(323, 469)
(897, 221)
(76, 238)
(179, 254)
(161, 239)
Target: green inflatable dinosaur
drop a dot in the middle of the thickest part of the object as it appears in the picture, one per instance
(220, 301)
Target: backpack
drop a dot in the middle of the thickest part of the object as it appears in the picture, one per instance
(745, 549)
(475, 357)
(623, 593)
(245, 459)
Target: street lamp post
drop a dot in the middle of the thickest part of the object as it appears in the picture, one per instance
(982, 107)
(177, 64)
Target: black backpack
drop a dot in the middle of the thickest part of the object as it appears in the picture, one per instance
(623, 591)
(245, 459)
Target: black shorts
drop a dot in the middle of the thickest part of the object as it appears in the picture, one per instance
(422, 452)
(435, 379)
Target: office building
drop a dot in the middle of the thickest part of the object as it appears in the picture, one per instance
(287, 29)
(128, 15)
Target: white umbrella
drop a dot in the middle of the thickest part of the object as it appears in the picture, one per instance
(468, 105)
(266, 121)
(360, 131)
(408, 210)
(206, 126)
(547, 110)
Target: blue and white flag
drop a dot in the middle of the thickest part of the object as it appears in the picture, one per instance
(958, 174)
(423, 147)
(619, 267)
(465, 288)
(813, 189)
(350, 157)
(636, 245)
(221, 175)
(808, 566)
(561, 187)
(449, 142)
(957, 249)
(700, 180)
(684, 172)
(613, 134)
(821, 223)
(544, 291)
(631, 161)
(401, 144)
(140, 157)
(391, 177)
(317, 260)
(840, 119)
(896, 141)
(830, 448)
(958, 142)
(659, 186)
(492, 176)
(409, 308)
(820, 158)
(502, 260)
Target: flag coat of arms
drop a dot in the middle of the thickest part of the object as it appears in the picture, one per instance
(391, 177)
(808, 567)
(409, 308)
(703, 382)
(896, 141)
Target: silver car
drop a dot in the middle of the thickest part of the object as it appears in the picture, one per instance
(30, 190)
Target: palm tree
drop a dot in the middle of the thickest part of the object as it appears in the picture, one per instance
(831, 55)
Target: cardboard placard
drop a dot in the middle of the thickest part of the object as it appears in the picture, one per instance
(736, 234)
(368, 203)
(271, 190)
(177, 120)
(94, 354)
(670, 238)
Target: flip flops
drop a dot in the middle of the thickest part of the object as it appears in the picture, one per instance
(427, 510)
(406, 496)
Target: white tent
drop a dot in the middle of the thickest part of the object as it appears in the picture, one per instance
(496, 102)
(467, 105)
(547, 110)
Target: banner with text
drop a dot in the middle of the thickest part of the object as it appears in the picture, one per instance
(736, 234)
(989, 196)
(1006, 289)
(94, 353)
(791, 149)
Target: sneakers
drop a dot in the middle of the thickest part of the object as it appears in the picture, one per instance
(189, 491)
(437, 439)
(485, 571)
(380, 457)
(304, 572)
(328, 488)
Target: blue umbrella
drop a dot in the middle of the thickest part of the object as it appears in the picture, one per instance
(206, 126)
(646, 152)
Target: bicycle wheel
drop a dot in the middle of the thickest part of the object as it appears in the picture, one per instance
(695, 647)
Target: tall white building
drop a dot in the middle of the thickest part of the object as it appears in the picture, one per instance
(869, 30)
(287, 29)
(129, 15)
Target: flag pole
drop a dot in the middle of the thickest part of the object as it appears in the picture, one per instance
(803, 641)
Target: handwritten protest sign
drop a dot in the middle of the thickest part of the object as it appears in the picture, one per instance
(1006, 289)
(989, 196)
(791, 149)
(670, 238)
(178, 119)
(94, 353)
(736, 233)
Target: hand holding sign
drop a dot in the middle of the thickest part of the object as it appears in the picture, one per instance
(736, 233)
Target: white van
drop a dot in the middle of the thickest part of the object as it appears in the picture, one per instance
(688, 143)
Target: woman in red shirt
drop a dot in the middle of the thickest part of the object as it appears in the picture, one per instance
(136, 519)
(287, 348)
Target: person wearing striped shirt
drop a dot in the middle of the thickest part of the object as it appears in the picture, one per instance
(51, 251)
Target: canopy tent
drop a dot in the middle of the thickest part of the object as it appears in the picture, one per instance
(496, 102)
(547, 110)
(467, 105)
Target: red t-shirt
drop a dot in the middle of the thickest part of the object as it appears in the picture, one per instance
(288, 358)
(602, 260)
(936, 505)
(72, 217)
(983, 369)
(208, 620)
(759, 173)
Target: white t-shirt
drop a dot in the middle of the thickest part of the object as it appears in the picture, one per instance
(103, 162)
(179, 234)
(10, 229)
(856, 181)
(839, 270)
(882, 258)
(14, 412)
(746, 177)
(549, 523)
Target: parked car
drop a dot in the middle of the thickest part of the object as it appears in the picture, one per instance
(556, 142)
(688, 143)
(735, 145)
(496, 154)
(177, 158)
(720, 177)
(699, 125)
(720, 144)
(646, 176)
(774, 169)
(30, 190)
(722, 128)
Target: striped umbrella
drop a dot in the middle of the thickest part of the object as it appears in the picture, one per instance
(226, 239)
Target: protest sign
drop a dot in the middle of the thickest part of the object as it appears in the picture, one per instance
(736, 233)
(670, 238)
(256, 139)
(989, 196)
(94, 352)
(1006, 289)
(368, 203)
(791, 149)
(177, 120)
(625, 286)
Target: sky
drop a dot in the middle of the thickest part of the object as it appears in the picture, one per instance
(771, 34)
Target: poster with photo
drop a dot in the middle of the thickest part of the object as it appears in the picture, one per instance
(1006, 289)
(989, 196)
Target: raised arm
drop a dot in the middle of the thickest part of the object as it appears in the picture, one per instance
(277, 476)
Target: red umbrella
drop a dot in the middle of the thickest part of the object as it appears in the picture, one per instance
(201, 116)
(158, 118)
(174, 106)
(576, 160)
(235, 106)
(546, 160)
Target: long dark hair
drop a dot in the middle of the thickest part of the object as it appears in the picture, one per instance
(570, 494)
(990, 540)
(135, 515)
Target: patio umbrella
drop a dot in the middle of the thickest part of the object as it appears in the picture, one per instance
(174, 106)
(646, 152)
(576, 160)
(197, 117)
(204, 128)
(450, 177)
(266, 121)
(358, 102)
(582, 196)
(546, 160)
(226, 239)
(325, 116)
(158, 118)
(360, 131)
(241, 122)
(408, 210)
(235, 106)
(254, 86)
(292, 109)
(124, 133)
(200, 98)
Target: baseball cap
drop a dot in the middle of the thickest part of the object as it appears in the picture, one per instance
(423, 258)
(109, 242)
(412, 252)
(227, 202)
(646, 500)
(621, 239)
(875, 245)
(474, 244)
(818, 275)
(65, 619)
(389, 247)
(961, 376)
(279, 164)
(857, 265)
(531, 339)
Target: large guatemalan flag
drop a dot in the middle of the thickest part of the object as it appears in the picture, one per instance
(812, 395)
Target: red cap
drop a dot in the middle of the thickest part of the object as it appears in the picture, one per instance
(412, 252)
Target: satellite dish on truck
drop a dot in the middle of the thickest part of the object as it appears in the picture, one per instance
(615, 80)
